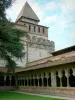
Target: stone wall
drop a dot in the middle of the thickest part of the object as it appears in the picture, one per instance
(6, 88)
(55, 91)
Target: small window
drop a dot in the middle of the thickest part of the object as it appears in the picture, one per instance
(34, 28)
(43, 30)
(29, 27)
(38, 29)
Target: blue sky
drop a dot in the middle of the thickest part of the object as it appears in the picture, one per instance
(58, 15)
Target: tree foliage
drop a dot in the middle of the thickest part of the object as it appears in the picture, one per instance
(4, 4)
(10, 38)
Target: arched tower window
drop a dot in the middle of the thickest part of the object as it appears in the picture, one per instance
(43, 30)
(34, 28)
(29, 27)
(39, 29)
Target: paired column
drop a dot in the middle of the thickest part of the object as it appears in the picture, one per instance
(53, 79)
(67, 75)
(4, 80)
(42, 76)
(60, 75)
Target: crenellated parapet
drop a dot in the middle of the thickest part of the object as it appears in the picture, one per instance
(40, 43)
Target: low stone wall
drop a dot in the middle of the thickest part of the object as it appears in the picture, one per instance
(6, 88)
(55, 91)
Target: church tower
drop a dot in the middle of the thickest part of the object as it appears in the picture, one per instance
(36, 44)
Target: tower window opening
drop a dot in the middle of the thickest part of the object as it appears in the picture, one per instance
(34, 28)
(43, 30)
(29, 27)
(39, 29)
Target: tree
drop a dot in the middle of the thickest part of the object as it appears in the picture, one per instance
(4, 4)
(10, 38)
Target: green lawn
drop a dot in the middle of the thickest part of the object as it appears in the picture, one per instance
(20, 96)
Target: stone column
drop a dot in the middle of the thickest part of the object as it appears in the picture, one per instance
(27, 80)
(73, 71)
(21, 81)
(60, 75)
(10, 80)
(38, 80)
(42, 76)
(24, 80)
(30, 80)
(34, 79)
(18, 80)
(47, 78)
(4, 80)
(67, 75)
(53, 79)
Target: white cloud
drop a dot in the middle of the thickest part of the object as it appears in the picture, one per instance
(50, 19)
(56, 22)
(67, 6)
(50, 6)
(71, 33)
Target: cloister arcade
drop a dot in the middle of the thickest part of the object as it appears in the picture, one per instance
(6, 80)
(65, 79)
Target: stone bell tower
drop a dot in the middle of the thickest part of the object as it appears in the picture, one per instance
(36, 43)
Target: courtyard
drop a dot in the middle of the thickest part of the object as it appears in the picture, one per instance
(21, 96)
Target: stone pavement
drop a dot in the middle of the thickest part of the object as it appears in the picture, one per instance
(64, 98)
